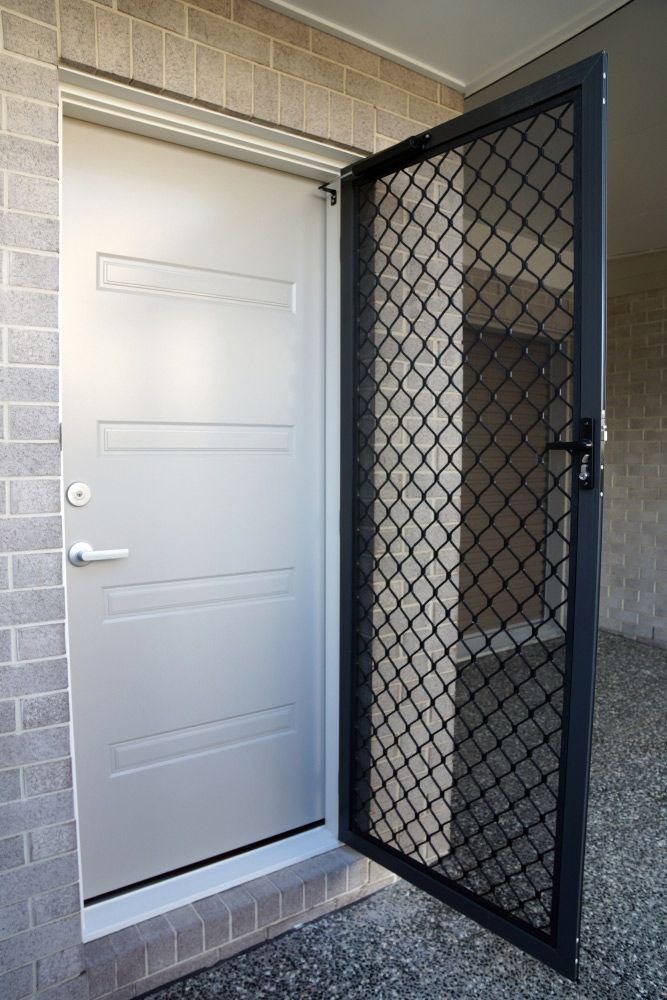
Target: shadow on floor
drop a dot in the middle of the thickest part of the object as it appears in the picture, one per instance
(403, 945)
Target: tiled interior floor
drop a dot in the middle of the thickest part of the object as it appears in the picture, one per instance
(400, 944)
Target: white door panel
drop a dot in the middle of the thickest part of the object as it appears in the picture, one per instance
(193, 408)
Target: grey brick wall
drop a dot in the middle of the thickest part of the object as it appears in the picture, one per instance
(40, 933)
(238, 57)
(256, 63)
(634, 577)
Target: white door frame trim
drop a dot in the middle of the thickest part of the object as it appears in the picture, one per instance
(126, 108)
(120, 106)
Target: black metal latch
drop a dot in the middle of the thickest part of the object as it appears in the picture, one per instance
(582, 447)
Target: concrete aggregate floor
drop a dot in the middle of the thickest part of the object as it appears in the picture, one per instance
(403, 945)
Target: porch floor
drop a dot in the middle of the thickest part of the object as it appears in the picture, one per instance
(401, 944)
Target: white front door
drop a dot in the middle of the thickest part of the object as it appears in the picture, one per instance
(193, 411)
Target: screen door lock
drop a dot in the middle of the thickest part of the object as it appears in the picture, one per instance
(584, 448)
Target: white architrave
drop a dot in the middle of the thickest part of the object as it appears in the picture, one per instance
(105, 102)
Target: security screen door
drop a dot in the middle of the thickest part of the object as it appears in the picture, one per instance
(473, 330)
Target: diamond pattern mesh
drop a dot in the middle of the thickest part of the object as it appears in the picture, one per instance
(464, 372)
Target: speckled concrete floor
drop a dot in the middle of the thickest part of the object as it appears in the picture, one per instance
(403, 945)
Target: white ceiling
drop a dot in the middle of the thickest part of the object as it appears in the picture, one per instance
(634, 37)
(466, 43)
(501, 45)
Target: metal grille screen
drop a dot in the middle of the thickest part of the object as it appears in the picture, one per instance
(464, 374)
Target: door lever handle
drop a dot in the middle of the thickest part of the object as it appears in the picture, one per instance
(81, 553)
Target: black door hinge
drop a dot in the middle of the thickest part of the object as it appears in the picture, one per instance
(330, 191)
(419, 141)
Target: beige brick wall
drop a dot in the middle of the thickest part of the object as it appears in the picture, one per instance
(240, 57)
(634, 570)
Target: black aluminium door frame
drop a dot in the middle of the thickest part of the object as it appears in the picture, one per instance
(585, 86)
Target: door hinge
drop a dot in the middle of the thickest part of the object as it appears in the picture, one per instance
(330, 191)
(419, 141)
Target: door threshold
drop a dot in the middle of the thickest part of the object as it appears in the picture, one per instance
(127, 908)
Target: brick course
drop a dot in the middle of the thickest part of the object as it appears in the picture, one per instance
(140, 958)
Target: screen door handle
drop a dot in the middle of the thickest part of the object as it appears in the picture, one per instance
(584, 448)
(81, 553)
